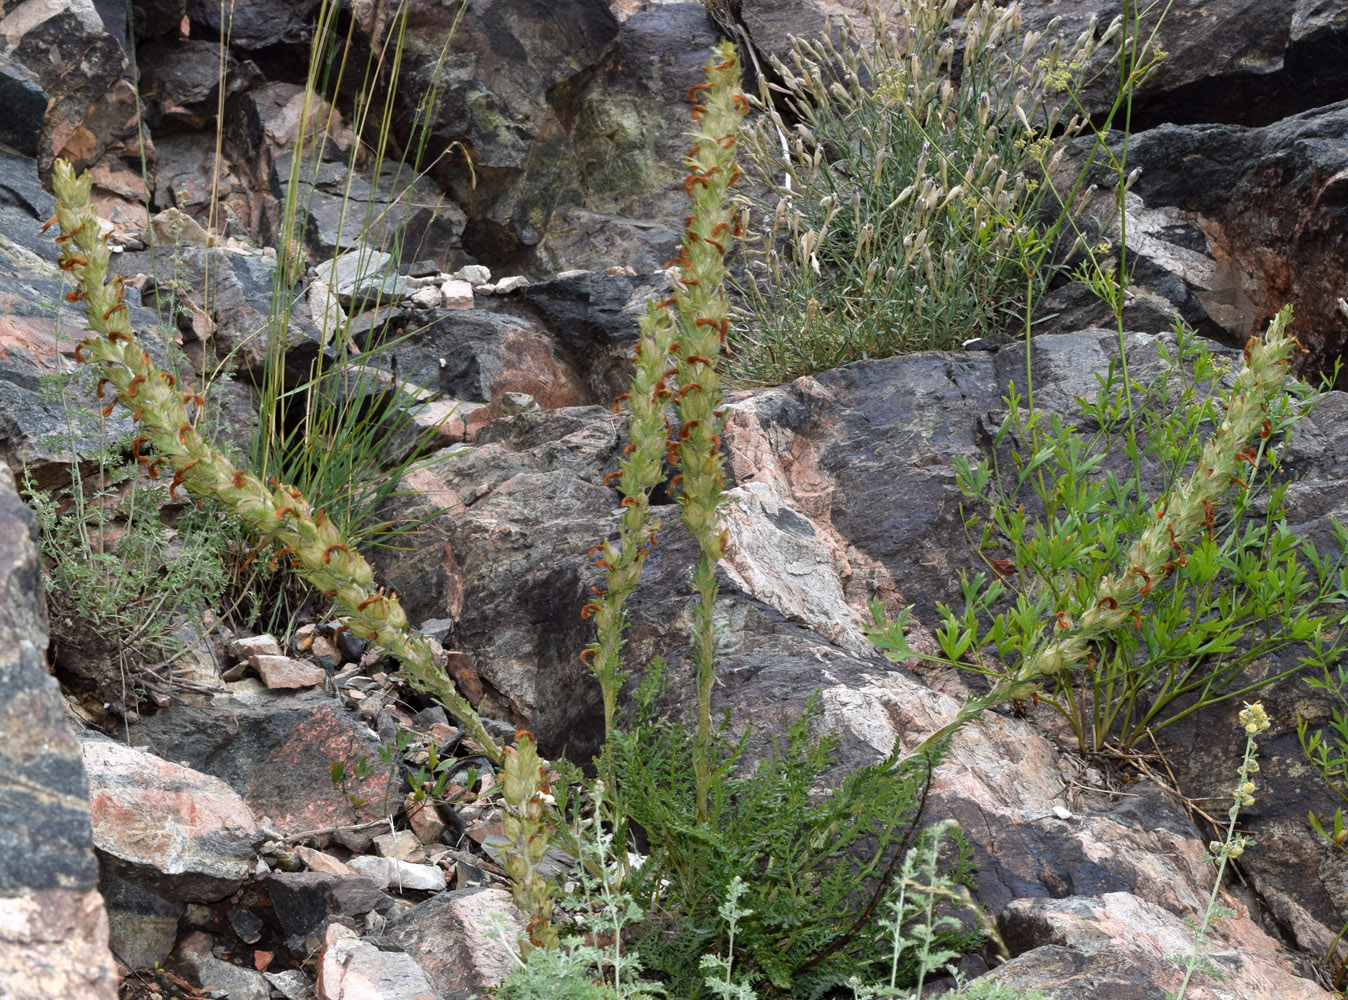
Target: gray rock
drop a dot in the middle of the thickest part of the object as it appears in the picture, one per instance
(142, 927)
(237, 982)
(277, 752)
(254, 24)
(446, 935)
(390, 873)
(176, 832)
(352, 969)
(80, 63)
(303, 901)
(25, 104)
(1229, 61)
(53, 928)
(1253, 222)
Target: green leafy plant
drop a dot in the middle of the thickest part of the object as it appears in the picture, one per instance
(902, 209)
(121, 582)
(1085, 599)
(1052, 524)
(819, 865)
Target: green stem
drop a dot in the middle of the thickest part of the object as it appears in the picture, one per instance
(317, 548)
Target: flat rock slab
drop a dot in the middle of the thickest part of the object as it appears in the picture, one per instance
(391, 873)
(277, 751)
(181, 834)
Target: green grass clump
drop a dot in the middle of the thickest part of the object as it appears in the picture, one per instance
(897, 196)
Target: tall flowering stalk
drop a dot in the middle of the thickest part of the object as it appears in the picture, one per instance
(703, 322)
(641, 470)
(1183, 512)
(689, 328)
(167, 439)
(527, 828)
(1180, 517)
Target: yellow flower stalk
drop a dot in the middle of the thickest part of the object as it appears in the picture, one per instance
(690, 328)
(1185, 510)
(525, 823)
(168, 441)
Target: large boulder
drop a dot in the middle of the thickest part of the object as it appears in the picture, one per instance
(1233, 61)
(1257, 218)
(53, 928)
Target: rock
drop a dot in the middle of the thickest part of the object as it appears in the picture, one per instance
(402, 214)
(426, 297)
(24, 207)
(142, 927)
(181, 79)
(596, 239)
(181, 834)
(237, 982)
(357, 268)
(508, 89)
(292, 984)
(25, 104)
(53, 927)
(37, 430)
(391, 873)
(402, 846)
(527, 471)
(456, 295)
(252, 647)
(596, 317)
(320, 862)
(82, 67)
(446, 935)
(254, 24)
(474, 274)
(477, 356)
(239, 295)
(776, 555)
(1115, 944)
(351, 969)
(172, 227)
(511, 284)
(278, 751)
(283, 672)
(628, 144)
(302, 901)
(1251, 224)
(1228, 61)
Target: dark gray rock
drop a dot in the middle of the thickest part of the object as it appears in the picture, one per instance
(25, 104)
(478, 356)
(255, 24)
(1233, 61)
(81, 64)
(25, 206)
(181, 80)
(303, 901)
(142, 927)
(1256, 219)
